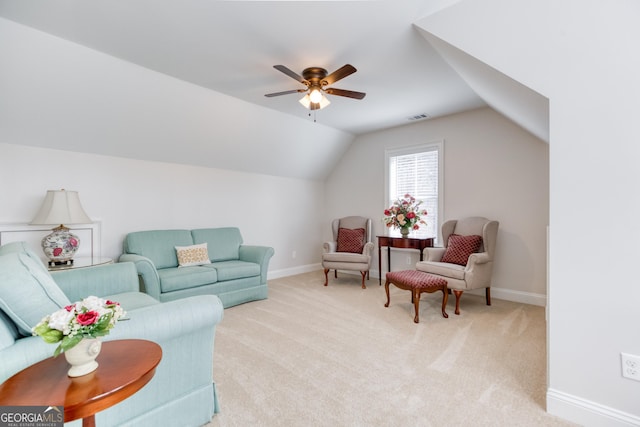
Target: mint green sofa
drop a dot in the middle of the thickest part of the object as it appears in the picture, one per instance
(237, 272)
(182, 391)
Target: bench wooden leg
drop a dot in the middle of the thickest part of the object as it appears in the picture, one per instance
(386, 289)
(445, 298)
(487, 293)
(415, 296)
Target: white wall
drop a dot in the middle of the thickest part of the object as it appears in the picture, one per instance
(595, 206)
(492, 168)
(130, 195)
(583, 56)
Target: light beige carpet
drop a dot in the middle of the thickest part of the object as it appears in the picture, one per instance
(335, 356)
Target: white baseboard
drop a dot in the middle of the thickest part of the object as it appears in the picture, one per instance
(518, 296)
(498, 293)
(300, 269)
(586, 412)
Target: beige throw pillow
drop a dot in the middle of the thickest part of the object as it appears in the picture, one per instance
(192, 255)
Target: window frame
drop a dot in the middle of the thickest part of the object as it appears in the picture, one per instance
(391, 152)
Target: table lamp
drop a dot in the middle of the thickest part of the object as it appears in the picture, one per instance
(61, 207)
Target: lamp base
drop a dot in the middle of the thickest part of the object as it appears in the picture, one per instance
(60, 246)
(59, 263)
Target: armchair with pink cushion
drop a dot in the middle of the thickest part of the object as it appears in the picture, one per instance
(466, 260)
(350, 249)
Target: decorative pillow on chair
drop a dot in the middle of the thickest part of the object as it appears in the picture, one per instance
(350, 240)
(192, 255)
(460, 247)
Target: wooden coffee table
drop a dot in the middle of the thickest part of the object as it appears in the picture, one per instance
(125, 367)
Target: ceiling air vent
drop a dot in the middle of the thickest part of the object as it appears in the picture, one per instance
(418, 117)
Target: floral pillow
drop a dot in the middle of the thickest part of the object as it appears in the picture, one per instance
(192, 255)
(350, 240)
(460, 247)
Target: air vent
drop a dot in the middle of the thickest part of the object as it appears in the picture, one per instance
(418, 117)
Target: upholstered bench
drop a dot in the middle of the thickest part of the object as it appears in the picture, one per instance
(417, 282)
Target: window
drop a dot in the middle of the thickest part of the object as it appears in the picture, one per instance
(416, 170)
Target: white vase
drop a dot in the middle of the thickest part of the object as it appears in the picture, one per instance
(82, 357)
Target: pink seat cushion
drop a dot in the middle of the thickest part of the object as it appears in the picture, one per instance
(460, 247)
(416, 279)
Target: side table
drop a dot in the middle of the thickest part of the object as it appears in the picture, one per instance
(81, 262)
(418, 243)
(125, 367)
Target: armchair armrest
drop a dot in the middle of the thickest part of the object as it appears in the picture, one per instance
(147, 271)
(478, 258)
(329, 247)
(368, 248)
(433, 254)
(260, 255)
(99, 281)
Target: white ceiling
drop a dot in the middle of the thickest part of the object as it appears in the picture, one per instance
(231, 47)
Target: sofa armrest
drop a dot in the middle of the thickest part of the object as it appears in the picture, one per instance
(170, 320)
(478, 258)
(147, 271)
(433, 254)
(79, 283)
(260, 255)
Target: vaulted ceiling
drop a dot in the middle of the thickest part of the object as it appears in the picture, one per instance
(230, 47)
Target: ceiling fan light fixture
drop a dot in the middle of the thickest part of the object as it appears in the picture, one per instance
(307, 103)
(315, 95)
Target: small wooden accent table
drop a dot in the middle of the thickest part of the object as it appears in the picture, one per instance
(125, 367)
(418, 243)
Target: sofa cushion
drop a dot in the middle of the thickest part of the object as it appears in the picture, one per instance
(224, 243)
(459, 248)
(132, 300)
(350, 240)
(27, 291)
(174, 279)
(230, 270)
(189, 256)
(158, 245)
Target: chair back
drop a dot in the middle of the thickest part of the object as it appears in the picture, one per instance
(352, 222)
(475, 225)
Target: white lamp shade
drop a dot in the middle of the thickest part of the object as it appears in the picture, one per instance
(61, 207)
(306, 102)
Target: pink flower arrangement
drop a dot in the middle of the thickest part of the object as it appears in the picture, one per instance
(92, 317)
(405, 213)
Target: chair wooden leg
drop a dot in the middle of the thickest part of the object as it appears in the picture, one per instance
(488, 295)
(458, 294)
(335, 273)
(326, 277)
(364, 274)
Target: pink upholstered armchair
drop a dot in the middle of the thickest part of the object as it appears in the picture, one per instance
(466, 260)
(350, 249)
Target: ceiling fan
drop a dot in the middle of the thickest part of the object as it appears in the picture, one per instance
(316, 80)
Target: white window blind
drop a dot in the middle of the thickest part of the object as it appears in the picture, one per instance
(417, 171)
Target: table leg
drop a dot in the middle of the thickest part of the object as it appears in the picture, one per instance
(89, 421)
(379, 265)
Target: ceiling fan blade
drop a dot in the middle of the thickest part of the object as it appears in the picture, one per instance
(340, 73)
(291, 74)
(286, 92)
(347, 93)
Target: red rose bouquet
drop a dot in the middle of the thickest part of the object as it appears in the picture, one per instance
(405, 213)
(92, 317)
